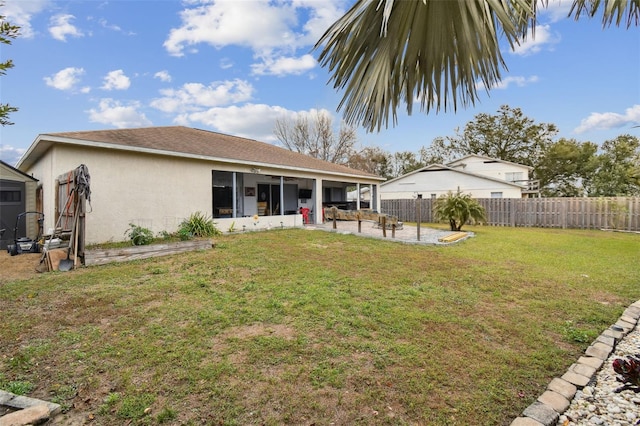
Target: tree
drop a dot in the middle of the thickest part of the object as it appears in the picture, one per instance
(7, 33)
(566, 167)
(458, 209)
(508, 135)
(404, 162)
(437, 153)
(617, 169)
(313, 135)
(373, 160)
(388, 53)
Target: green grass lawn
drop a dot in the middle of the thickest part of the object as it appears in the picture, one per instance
(311, 327)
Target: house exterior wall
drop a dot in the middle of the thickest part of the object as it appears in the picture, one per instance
(151, 191)
(440, 182)
(155, 191)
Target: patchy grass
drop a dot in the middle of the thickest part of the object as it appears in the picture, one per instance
(302, 327)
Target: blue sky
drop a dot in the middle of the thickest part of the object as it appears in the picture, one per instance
(237, 66)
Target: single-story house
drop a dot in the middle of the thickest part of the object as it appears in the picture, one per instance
(17, 195)
(480, 176)
(155, 177)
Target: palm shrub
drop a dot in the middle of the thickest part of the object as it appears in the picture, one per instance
(198, 225)
(458, 209)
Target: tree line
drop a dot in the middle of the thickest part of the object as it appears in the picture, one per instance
(564, 167)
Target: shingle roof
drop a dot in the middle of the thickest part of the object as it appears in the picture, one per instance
(186, 140)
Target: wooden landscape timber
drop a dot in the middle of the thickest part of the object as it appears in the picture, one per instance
(125, 254)
(453, 237)
(384, 221)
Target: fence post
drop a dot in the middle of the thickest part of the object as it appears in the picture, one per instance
(418, 213)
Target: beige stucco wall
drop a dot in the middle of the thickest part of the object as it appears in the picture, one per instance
(152, 191)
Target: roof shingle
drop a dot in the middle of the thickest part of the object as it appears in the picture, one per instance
(186, 140)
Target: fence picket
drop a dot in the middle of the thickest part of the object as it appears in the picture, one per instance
(582, 213)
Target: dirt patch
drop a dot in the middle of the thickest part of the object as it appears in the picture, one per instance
(20, 267)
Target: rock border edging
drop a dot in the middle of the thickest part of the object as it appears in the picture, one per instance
(557, 397)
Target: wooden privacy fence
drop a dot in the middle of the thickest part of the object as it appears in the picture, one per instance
(622, 213)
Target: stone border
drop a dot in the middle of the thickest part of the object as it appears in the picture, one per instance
(556, 399)
(29, 410)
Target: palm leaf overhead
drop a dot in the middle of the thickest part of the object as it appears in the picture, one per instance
(388, 53)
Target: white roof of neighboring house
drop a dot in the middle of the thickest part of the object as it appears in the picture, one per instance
(442, 167)
(486, 159)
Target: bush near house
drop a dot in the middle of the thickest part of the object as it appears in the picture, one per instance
(138, 235)
(198, 225)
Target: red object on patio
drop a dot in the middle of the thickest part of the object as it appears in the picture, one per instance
(305, 214)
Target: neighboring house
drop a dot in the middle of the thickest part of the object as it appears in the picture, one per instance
(365, 195)
(157, 176)
(17, 195)
(480, 176)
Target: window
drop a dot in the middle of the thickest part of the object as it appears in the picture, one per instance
(514, 177)
(496, 195)
(10, 196)
(223, 187)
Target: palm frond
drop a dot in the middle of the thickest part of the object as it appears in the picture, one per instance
(616, 11)
(388, 53)
(431, 50)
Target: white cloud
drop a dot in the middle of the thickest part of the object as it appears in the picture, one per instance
(112, 27)
(163, 76)
(543, 38)
(555, 10)
(272, 30)
(11, 155)
(113, 113)
(60, 27)
(250, 24)
(65, 79)
(116, 80)
(322, 14)
(196, 96)
(20, 13)
(250, 121)
(284, 65)
(609, 120)
(508, 81)
(226, 63)
(255, 121)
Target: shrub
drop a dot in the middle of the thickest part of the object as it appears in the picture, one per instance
(458, 209)
(198, 225)
(138, 235)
